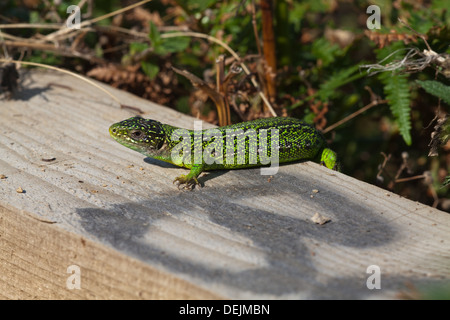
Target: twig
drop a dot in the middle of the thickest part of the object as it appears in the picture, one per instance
(38, 43)
(64, 31)
(30, 26)
(354, 114)
(255, 28)
(428, 180)
(8, 36)
(216, 96)
(416, 33)
(410, 65)
(64, 51)
(232, 52)
(222, 109)
(67, 72)
(5, 50)
(421, 176)
(383, 165)
(84, 26)
(404, 166)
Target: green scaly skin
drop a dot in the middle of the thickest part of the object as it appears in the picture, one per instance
(297, 141)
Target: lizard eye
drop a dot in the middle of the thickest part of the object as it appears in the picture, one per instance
(137, 134)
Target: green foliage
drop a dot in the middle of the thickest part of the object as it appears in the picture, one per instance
(440, 7)
(445, 134)
(339, 78)
(435, 291)
(163, 46)
(175, 44)
(441, 91)
(297, 12)
(192, 6)
(154, 36)
(34, 17)
(437, 89)
(396, 88)
(325, 51)
(319, 45)
(150, 69)
(237, 28)
(46, 58)
(446, 181)
(136, 47)
(420, 23)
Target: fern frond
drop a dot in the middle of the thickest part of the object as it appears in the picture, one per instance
(446, 181)
(445, 134)
(325, 51)
(397, 93)
(337, 79)
(437, 89)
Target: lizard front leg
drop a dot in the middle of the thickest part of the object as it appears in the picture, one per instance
(190, 180)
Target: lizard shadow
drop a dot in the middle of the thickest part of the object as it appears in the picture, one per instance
(281, 242)
(206, 175)
(160, 163)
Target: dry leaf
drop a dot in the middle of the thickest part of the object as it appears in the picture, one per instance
(383, 39)
(319, 219)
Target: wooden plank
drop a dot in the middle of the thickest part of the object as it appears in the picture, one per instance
(35, 257)
(243, 235)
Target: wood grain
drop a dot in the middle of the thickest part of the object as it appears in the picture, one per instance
(35, 256)
(118, 216)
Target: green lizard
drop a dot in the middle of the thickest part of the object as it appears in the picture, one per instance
(241, 145)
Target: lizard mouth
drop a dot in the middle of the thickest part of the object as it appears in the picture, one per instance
(118, 135)
(123, 137)
(113, 131)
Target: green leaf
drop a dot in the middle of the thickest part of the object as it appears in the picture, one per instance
(296, 13)
(34, 17)
(176, 44)
(156, 41)
(136, 47)
(163, 46)
(154, 35)
(397, 93)
(193, 6)
(421, 24)
(150, 69)
(201, 5)
(436, 89)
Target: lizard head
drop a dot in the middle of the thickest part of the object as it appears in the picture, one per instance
(139, 134)
(330, 160)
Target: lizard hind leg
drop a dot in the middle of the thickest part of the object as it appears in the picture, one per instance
(329, 159)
